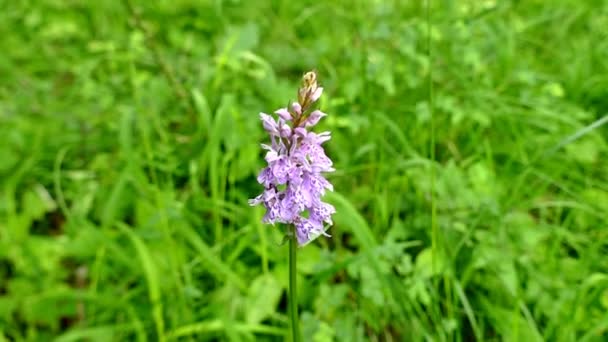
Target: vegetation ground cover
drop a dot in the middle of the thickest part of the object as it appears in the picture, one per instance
(471, 182)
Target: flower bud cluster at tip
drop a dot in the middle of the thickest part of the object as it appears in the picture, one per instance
(309, 92)
(293, 180)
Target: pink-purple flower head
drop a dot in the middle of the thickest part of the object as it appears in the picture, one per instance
(293, 180)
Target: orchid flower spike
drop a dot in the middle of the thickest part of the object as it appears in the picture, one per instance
(294, 181)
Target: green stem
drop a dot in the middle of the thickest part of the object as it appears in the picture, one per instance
(292, 301)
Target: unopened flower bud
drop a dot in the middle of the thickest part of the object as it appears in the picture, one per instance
(309, 92)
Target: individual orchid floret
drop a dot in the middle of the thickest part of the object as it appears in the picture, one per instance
(284, 114)
(296, 108)
(314, 118)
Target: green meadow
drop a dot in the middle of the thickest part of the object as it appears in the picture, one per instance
(470, 141)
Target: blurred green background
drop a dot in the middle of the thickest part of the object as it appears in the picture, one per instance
(471, 183)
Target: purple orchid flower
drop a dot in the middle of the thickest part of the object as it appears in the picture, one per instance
(293, 180)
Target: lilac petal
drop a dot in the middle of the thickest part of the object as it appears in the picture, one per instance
(297, 194)
(277, 144)
(270, 125)
(318, 161)
(318, 139)
(285, 131)
(301, 131)
(315, 96)
(322, 137)
(265, 177)
(294, 145)
(272, 156)
(284, 114)
(281, 169)
(313, 188)
(314, 118)
(272, 211)
(307, 193)
(323, 183)
(270, 217)
(327, 185)
(255, 201)
(303, 229)
(297, 108)
(308, 230)
(317, 184)
(290, 209)
(322, 212)
(317, 230)
(322, 164)
(270, 194)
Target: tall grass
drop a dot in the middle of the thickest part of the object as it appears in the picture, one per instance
(471, 191)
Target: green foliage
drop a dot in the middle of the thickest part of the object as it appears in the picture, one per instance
(130, 145)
